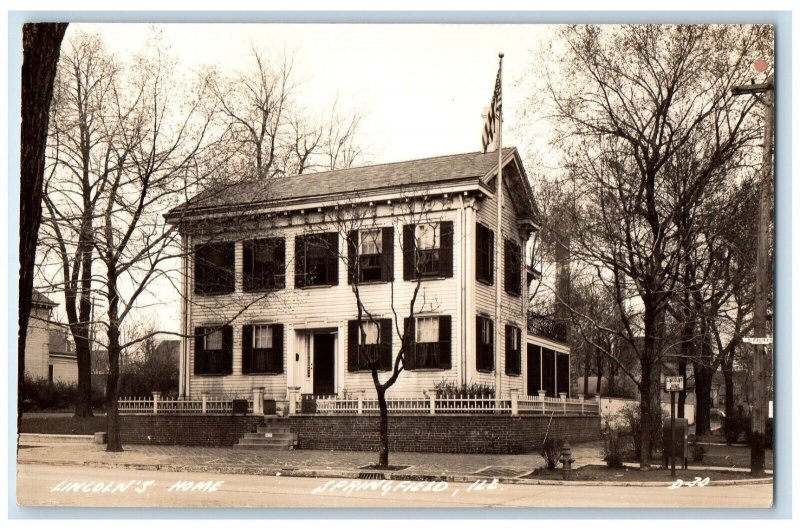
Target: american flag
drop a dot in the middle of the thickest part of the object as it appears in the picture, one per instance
(492, 120)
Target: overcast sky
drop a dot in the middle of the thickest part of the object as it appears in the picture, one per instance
(421, 87)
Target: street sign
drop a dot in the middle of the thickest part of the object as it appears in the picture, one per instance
(674, 383)
(757, 340)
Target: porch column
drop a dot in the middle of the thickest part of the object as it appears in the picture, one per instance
(294, 391)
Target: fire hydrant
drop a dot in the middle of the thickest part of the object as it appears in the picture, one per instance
(567, 460)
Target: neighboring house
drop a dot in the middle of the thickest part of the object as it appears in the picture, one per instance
(46, 357)
(63, 357)
(267, 295)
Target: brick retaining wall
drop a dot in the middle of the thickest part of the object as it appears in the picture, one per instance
(487, 434)
(212, 430)
(478, 433)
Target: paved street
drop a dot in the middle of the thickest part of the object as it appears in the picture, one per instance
(41, 485)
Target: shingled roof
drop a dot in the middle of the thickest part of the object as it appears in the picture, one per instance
(466, 167)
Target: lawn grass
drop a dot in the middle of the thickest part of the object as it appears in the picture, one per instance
(63, 424)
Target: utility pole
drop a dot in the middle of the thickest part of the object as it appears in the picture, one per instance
(760, 383)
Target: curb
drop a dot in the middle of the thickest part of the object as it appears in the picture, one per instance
(354, 474)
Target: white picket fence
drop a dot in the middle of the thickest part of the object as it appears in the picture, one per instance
(450, 404)
(174, 405)
(335, 405)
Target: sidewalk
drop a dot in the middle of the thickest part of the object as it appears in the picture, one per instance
(307, 463)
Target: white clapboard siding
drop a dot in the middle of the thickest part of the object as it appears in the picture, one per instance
(511, 306)
(324, 307)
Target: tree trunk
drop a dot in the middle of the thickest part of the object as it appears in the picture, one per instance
(703, 377)
(730, 399)
(41, 46)
(645, 415)
(112, 416)
(83, 401)
(586, 362)
(681, 413)
(383, 454)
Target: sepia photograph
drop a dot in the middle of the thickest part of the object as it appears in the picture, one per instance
(447, 265)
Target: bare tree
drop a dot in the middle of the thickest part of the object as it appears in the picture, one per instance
(368, 257)
(80, 163)
(267, 131)
(41, 45)
(627, 102)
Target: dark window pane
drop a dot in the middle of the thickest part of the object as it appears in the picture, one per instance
(213, 268)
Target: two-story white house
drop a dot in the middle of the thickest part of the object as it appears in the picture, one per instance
(267, 292)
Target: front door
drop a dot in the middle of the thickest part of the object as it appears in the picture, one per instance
(324, 365)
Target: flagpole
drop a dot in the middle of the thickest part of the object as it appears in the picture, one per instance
(499, 240)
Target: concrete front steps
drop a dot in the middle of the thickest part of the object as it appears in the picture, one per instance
(276, 434)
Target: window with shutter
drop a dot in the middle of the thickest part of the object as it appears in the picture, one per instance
(484, 361)
(484, 254)
(264, 264)
(214, 268)
(368, 342)
(316, 259)
(262, 349)
(429, 343)
(513, 350)
(428, 250)
(370, 255)
(213, 350)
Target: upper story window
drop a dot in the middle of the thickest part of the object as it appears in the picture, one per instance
(485, 345)
(317, 259)
(513, 268)
(214, 268)
(264, 266)
(428, 250)
(371, 255)
(429, 343)
(262, 349)
(484, 254)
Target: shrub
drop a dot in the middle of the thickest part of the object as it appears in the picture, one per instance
(551, 450)
(613, 447)
(40, 394)
(631, 415)
(451, 388)
(734, 426)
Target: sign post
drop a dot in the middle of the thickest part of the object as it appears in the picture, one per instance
(674, 384)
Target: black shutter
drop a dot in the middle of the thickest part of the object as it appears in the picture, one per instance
(352, 345)
(385, 357)
(446, 249)
(352, 256)
(199, 353)
(410, 354)
(275, 358)
(247, 265)
(332, 245)
(279, 258)
(299, 261)
(227, 349)
(408, 252)
(228, 276)
(512, 267)
(484, 255)
(445, 341)
(387, 254)
(247, 349)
